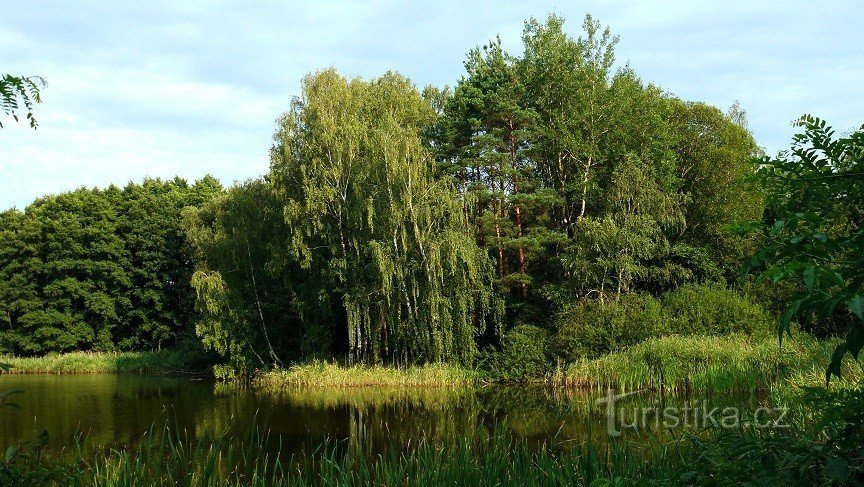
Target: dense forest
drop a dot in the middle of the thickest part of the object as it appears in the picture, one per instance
(550, 206)
(99, 269)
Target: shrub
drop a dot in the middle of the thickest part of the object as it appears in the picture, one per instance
(591, 328)
(522, 354)
(713, 310)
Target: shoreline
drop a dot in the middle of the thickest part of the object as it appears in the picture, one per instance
(178, 361)
(674, 364)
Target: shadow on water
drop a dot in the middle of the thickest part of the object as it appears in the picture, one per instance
(116, 411)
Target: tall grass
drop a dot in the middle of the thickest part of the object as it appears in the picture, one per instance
(168, 458)
(323, 374)
(698, 364)
(489, 459)
(184, 360)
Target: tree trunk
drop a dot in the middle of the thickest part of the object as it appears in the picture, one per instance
(523, 287)
(273, 355)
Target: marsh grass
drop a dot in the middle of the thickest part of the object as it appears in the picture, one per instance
(491, 458)
(699, 364)
(172, 361)
(165, 457)
(324, 374)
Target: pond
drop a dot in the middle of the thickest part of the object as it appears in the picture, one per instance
(114, 411)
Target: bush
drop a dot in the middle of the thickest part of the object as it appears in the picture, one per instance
(591, 328)
(712, 310)
(522, 354)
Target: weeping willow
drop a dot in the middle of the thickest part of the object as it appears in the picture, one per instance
(382, 239)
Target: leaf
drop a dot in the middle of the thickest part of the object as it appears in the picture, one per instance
(783, 325)
(837, 469)
(810, 278)
(855, 339)
(10, 453)
(856, 305)
(834, 368)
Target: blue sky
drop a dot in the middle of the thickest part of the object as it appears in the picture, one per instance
(164, 88)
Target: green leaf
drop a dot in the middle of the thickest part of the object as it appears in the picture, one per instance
(810, 278)
(834, 368)
(856, 305)
(855, 339)
(837, 469)
(10, 453)
(783, 325)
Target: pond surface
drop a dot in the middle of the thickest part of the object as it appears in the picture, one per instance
(114, 411)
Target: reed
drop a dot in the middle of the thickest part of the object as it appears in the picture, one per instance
(172, 361)
(324, 374)
(700, 364)
(494, 458)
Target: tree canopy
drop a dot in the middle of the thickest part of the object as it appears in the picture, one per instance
(404, 226)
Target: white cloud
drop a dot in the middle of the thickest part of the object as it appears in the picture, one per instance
(163, 88)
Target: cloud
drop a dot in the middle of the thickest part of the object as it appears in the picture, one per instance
(162, 88)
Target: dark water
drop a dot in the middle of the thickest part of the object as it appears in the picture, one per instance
(115, 411)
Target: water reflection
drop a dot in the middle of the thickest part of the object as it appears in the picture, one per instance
(115, 411)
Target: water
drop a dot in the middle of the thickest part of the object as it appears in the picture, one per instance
(105, 411)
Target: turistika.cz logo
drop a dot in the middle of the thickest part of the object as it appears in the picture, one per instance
(697, 414)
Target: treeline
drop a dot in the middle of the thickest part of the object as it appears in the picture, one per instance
(401, 226)
(547, 195)
(99, 269)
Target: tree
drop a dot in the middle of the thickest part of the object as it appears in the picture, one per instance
(20, 92)
(98, 269)
(245, 282)
(484, 141)
(580, 180)
(714, 153)
(384, 243)
(814, 230)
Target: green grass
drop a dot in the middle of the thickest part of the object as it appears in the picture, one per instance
(172, 361)
(699, 364)
(323, 374)
(167, 458)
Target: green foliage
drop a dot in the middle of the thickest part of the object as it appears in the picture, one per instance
(97, 269)
(581, 181)
(745, 456)
(812, 234)
(23, 465)
(20, 92)
(713, 165)
(697, 363)
(187, 358)
(591, 328)
(245, 282)
(383, 244)
(523, 354)
(713, 310)
(328, 375)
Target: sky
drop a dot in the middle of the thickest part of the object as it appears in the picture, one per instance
(165, 88)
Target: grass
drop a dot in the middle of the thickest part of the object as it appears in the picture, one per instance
(169, 458)
(699, 364)
(172, 361)
(324, 374)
